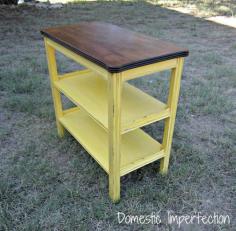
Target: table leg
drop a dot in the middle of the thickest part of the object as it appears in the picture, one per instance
(52, 67)
(170, 121)
(114, 134)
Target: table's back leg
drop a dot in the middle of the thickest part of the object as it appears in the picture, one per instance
(170, 121)
(52, 67)
(114, 134)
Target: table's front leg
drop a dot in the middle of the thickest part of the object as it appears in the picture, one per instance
(52, 67)
(170, 121)
(114, 134)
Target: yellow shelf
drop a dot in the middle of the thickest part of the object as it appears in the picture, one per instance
(137, 147)
(89, 92)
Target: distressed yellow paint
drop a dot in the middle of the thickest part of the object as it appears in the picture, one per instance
(52, 67)
(149, 69)
(134, 154)
(170, 121)
(138, 108)
(79, 59)
(114, 134)
(110, 111)
(73, 74)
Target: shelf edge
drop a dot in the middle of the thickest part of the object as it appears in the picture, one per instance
(142, 162)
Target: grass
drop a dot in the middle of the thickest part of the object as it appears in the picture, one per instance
(48, 183)
(203, 7)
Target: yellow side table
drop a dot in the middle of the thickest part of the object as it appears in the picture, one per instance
(109, 110)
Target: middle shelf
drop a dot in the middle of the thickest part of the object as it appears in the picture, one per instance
(89, 92)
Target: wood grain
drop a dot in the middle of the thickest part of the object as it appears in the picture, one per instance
(114, 48)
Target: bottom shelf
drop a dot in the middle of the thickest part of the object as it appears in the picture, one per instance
(137, 147)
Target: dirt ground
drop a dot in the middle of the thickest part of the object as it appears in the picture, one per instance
(48, 183)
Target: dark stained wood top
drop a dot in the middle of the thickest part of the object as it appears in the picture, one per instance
(112, 47)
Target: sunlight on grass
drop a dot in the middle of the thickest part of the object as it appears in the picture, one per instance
(222, 12)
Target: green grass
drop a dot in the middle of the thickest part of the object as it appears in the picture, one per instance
(204, 7)
(48, 183)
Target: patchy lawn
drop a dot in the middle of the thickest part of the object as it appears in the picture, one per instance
(203, 7)
(48, 183)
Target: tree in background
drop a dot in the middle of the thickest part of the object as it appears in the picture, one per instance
(8, 2)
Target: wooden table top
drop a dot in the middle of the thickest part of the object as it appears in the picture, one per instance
(114, 48)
